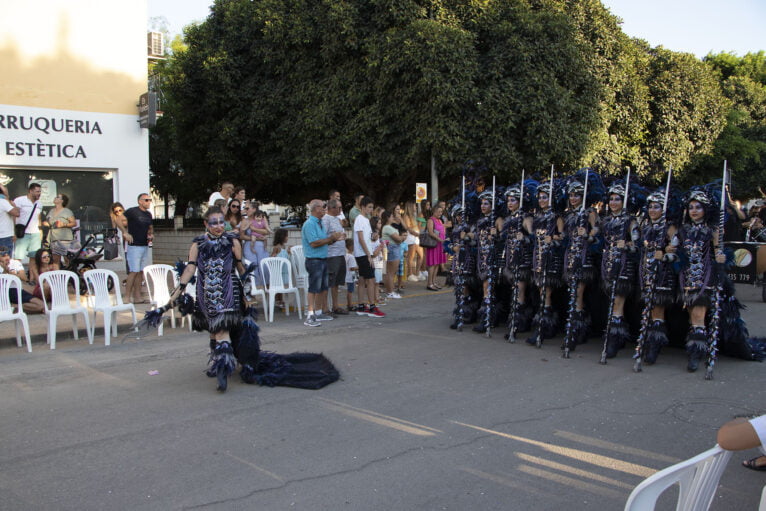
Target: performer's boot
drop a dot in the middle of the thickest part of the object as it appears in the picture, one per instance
(524, 317)
(656, 338)
(546, 321)
(696, 346)
(481, 316)
(222, 363)
(579, 330)
(616, 335)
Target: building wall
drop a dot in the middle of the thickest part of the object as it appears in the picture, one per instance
(72, 74)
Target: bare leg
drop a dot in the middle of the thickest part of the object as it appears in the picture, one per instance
(133, 288)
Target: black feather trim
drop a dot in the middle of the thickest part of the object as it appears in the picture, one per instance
(617, 335)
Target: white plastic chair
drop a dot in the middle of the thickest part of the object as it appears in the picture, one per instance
(105, 302)
(298, 260)
(274, 268)
(12, 284)
(61, 304)
(697, 479)
(156, 276)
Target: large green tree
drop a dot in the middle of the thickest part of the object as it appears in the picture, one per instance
(290, 97)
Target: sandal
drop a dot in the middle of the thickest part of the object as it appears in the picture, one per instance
(432, 288)
(752, 464)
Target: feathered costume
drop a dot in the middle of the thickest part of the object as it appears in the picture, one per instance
(518, 261)
(220, 307)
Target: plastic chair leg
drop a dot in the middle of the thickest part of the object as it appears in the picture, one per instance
(75, 329)
(88, 330)
(272, 299)
(298, 304)
(52, 330)
(25, 324)
(18, 332)
(114, 321)
(107, 327)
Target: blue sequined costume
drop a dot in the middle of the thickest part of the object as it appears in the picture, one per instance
(219, 306)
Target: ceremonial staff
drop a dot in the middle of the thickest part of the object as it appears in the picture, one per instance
(516, 255)
(715, 320)
(652, 268)
(488, 301)
(544, 260)
(457, 276)
(576, 248)
(615, 251)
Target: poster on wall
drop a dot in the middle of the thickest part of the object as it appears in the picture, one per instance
(48, 190)
(421, 191)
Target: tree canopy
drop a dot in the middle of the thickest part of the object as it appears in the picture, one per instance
(292, 97)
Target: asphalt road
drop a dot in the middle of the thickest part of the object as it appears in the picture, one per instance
(423, 418)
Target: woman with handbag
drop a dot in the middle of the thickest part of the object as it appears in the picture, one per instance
(435, 255)
(61, 220)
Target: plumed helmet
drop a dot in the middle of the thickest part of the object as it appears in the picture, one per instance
(456, 210)
(513, 191)
(486, 195)
(575, 188)
(698, 195)
(658, 197)
(617, 188)
(544, 188)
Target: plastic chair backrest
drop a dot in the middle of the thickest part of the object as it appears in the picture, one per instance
(298, 259)
(9, 284)
(98, 288)
(58, 281)
(697, 478)
(275, 266)
(159, 292)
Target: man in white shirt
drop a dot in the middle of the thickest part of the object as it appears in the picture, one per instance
(363, 255)
(30, 206)
(227, 189)
(8, 211)
(335, 195)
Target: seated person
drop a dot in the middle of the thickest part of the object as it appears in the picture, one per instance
(29, 303)
(741, 434)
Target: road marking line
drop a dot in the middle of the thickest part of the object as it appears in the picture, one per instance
(380, 419)
(574, 471)
(595, 442)
(570, 481)
(584, 456)
(256, 467)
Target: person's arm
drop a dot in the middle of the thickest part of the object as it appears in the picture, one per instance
(738, 435)
(362, 242)
(186, 276)
(431, 231)
(236, 247)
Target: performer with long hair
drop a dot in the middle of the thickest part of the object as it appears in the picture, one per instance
(699, 278)
(581, 229)
(487, 229)
(547, 261)
(462, 262)
(517, 229)
(618, 266)
(657, 277)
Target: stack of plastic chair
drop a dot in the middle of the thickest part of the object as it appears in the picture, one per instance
(105, 302)
(60, 304)
(299, 268)
(277, 268)
(156, 276)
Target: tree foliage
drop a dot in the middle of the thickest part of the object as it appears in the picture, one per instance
(293, 97)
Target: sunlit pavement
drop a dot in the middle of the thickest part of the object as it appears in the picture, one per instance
(424, 418)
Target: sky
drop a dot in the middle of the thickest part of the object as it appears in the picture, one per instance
(694, 26)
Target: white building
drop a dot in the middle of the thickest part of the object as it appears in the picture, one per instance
(72, 73)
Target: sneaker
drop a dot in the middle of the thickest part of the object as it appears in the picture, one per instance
(312, 321)
(394, 295)
(363, 310)
(324, 317)
(413, 278)
(422, 277)
(374, 312)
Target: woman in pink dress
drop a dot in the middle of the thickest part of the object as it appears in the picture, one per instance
(435, 256)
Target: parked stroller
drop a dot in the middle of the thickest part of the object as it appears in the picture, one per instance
(84, 259)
